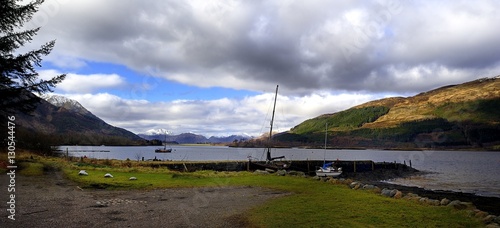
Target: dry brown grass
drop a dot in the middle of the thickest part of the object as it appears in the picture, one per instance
(420, 107)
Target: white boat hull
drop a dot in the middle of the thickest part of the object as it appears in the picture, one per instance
(327, 174)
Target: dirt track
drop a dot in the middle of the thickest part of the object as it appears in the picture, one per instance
(52, 201)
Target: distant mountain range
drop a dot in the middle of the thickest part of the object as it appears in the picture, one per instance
(461, 116)
(66, 121)
(190, 138)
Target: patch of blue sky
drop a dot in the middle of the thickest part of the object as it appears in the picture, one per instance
(154, 89)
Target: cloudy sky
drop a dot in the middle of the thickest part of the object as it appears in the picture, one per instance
(211, 67)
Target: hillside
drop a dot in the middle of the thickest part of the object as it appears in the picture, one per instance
(60, 120)
(455, 116)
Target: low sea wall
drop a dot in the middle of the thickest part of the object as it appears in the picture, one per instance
(307, 166)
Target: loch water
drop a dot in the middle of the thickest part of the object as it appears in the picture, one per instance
(475, 172)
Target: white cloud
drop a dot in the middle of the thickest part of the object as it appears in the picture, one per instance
(77, 83)
(303, 46)
(250, 115)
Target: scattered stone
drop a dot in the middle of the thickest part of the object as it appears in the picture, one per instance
(489, 219)
(108, 175)
(270, 170)
(497, 220)
(423, 199)
(481, 214)
(353, 184)
(296, 173)
(387, 192)
(393, 192)
(258, 171)
(444, 202)
(433, 202)
(281, 172)
(493, 225)
(100, 204)
(132, 178)
(412, 195)
(316, 178)
(398, 195)
(457, 204)
(83, 172)
(368, 187)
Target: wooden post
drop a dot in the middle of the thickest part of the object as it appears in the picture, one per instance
(410, 164)
(354, 166)
(308, 166)
(373, 166)
(67, 153)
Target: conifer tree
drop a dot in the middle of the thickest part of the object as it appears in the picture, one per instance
(18, 76)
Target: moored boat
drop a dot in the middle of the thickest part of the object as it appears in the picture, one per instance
(272, 163)
(328, 170)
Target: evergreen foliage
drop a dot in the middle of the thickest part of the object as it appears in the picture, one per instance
(345, 120)
(18, 76)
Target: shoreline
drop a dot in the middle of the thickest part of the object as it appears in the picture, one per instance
(488, 204)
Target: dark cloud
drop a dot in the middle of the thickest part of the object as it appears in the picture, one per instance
(302, 46)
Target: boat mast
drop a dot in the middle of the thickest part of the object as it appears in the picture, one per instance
(271, 129)
(326, 135)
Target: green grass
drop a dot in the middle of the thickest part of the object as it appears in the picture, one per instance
(311, 203)
(31, 168)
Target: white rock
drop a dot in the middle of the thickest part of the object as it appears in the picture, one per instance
(83, 172)
(132, 178)
(108, 175)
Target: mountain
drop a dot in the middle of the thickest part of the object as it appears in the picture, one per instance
(190, 138)
(64, 121)
(460, 116)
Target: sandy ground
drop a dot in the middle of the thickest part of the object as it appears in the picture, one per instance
(52, 201)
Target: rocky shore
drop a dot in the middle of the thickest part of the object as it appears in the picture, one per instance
(484, 208)
(376, 178)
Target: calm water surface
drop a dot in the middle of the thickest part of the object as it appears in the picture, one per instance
(465, 171)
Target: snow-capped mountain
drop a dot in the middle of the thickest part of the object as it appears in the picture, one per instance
(159, 134)
(68, 122)
(156, 132)
(64, 102)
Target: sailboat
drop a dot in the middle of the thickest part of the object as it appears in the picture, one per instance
(273, 163)
(328, 169)
(164, 149)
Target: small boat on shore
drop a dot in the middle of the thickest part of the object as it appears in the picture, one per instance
(271, 163)
(328, 170)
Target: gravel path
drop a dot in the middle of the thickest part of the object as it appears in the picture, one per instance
(52, 201)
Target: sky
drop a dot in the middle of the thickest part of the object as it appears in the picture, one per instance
(211, 67)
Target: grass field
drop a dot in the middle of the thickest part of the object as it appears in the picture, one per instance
(311, 203)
